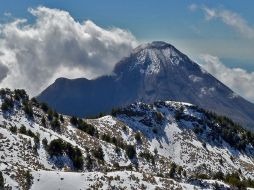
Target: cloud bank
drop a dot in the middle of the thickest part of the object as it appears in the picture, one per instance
(228, 17)
(33, 55)
(232, 19)
(239, 80)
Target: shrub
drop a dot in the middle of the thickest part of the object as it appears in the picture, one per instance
(34, 101)
(106, 137)
(50, 114)
(234, 180)
(91, 130)
(115, 111)
(22, 129)
(7, 104)
(89, 162)
(75, 155)
(58, 147)
(155, 151)
(20, 94)
(44, 107)
(138, 136)
(56, 115)
(148, 156)
(77, 158)
(178, 115)
(29, 179)
(45, 142)
(13, 129)
(216, 186)
(37, 140)
(179, 170)
(61, 119)
(43, 121)
(1, 180)
(28, 109)
(55, 124)
(172, 170)
(249, 183)
(218, 175)
(204, 144)
(30, 133)
(159, 116)
(88, 128)
(184, 173)
(232, 133)
(114, 141)
(2, 92)
(98, 153)
(124, 128)
(130, 151)
(74, 121)
(202, 176)
(117, 150)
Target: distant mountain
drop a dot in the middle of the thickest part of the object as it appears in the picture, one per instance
(164, 145)
(153, 71)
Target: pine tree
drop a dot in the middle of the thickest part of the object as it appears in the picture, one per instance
(130, 151)
(1, 180)
(99, 154)
(74, 121)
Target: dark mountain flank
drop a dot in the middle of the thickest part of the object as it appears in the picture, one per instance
(153, 71)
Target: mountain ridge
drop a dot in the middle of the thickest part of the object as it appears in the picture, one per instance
(154, 71)
(161, 145)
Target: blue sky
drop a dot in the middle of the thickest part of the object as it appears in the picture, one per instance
(217, 34)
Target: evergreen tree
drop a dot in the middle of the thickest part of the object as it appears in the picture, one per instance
(74, 121)
(1, 180)
(28, 109)
(130, 151)
(44, 107)
(172, 170)
(138, 136)
(7, 104)
(98, 153)
(29, 179)
(45, 142)
(43, 121)
(61, 119)
(55, 124)
(50, 114)
(22, 129)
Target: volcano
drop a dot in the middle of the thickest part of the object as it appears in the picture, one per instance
(153, 71)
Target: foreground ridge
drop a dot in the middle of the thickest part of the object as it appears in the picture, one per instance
(161, 145)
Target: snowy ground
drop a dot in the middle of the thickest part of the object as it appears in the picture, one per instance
(164, 139)
(97, 180)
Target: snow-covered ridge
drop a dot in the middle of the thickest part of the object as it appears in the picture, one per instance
(152, 57)
(160, 145)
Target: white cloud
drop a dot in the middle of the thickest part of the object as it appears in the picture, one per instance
(8, 14)
(239, 80)
(231, 19)
(193, 7)
(56, 45)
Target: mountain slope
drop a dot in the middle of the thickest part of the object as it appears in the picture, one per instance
(142, 146)
(155, 71)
